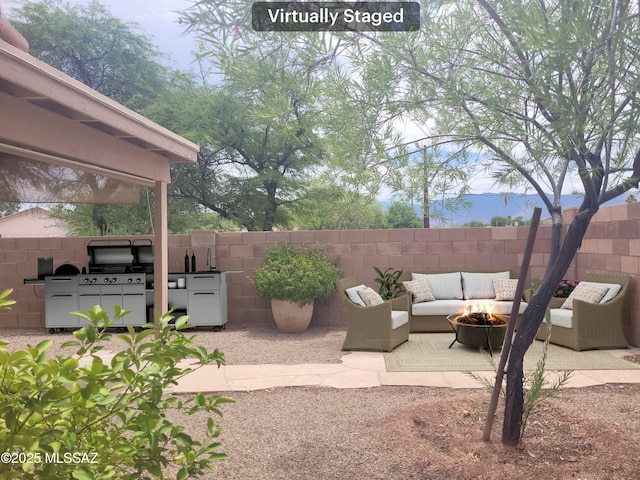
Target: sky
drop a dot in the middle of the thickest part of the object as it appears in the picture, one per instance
(156, 19)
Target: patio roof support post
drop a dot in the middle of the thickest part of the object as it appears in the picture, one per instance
(161, 250)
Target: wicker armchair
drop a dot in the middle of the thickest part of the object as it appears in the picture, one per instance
(593, 325)
(370, 328)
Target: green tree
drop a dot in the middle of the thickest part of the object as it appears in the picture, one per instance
(100, 220)
(401, 215)
(257, 144)
(352, 116)
(436, 182)
(499, 221)
(475, 223)
(329, 207)
(89, 44)
(7, 208)
(546, 91)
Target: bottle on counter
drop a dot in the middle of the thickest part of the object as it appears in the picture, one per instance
(193, 260)
(186, 261)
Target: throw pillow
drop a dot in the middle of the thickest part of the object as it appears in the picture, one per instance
(352, 293)
(370, 297)
(586, 293)
(419, 290)
(612, 289)
(505, 288)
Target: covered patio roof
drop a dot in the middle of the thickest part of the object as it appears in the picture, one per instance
(61, 137)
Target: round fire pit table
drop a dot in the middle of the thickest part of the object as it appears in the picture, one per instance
(490, 335)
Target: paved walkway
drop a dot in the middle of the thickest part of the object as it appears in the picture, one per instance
(362, 370)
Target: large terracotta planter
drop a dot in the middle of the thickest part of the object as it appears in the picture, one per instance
(289, 317)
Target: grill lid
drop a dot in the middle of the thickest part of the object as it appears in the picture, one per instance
(107, 254)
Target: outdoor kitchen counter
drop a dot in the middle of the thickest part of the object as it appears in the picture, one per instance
(204, 297)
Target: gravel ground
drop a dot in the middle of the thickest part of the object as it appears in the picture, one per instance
(396, 432)
(241, 345)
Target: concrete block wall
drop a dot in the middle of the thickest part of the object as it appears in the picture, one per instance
(610, 245)
(358, 251)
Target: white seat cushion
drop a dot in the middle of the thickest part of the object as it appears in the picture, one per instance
(561, 317)
(450, 307)
(438, 307)
(399, 318)
(504, 308)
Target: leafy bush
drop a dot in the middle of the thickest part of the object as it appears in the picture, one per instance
(5, 302)
(296, 275)
(79, 417)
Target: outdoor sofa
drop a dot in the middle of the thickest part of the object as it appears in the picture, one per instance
(591, 323)
(451, 292)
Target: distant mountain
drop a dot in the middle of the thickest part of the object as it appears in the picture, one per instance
(488, 205)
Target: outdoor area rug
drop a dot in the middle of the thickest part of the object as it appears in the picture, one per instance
(430, 352)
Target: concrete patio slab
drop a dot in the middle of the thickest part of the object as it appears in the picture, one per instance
(358, 370)
(362, 370)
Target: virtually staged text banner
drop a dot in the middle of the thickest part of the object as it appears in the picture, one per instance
(335, 16)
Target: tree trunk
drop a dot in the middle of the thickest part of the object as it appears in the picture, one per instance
(426, 222)
(531, 321)
(272, 205)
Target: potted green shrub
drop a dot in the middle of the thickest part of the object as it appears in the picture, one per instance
(292, 278)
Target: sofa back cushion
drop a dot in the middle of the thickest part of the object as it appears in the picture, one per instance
(443, 286)
(480, 285)
(419, 290)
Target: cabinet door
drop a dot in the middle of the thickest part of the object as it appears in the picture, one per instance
(135, 302)
(58, 308)
(88, 297)
(204, 308)
(111, 295)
